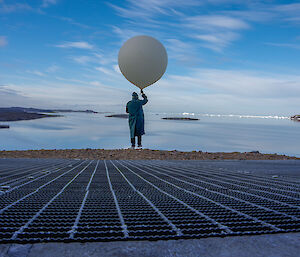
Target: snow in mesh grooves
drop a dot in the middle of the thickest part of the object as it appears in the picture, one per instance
(74, 228)
(38, 167)
(210, 200)
(54, 171)
(124, 226)
(238, 199)
(35, 191)
(221, 226)
(15, 235)
(177, 230)
(181, 170)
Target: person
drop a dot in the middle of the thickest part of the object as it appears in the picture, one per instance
(136, 118)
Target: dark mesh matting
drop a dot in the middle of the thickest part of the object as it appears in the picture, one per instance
(81, 200)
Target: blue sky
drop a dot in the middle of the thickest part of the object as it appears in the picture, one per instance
(225, 56)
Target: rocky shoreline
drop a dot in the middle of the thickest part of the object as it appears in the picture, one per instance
(22, 113)
(144, 154)
(178, 118)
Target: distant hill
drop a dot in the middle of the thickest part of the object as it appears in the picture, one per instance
(23, 109)
(22, 113)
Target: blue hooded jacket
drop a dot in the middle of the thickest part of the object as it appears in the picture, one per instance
(136, 115)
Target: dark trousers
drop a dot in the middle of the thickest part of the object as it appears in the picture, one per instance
(139, 141)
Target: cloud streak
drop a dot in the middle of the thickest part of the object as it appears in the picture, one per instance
(36, 72)
(237, 83)
(208, 22)
(215, 31)
(217, 41)
(3, 41)
(10, 8)
(148, 9)
(288, 45)
(73, 22)
(47, 3)
(76, 44)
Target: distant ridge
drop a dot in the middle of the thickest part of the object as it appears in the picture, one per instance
(24, 109)
(22, 113)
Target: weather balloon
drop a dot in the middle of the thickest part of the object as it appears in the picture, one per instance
(142, 60)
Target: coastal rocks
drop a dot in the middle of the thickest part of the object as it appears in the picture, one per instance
(67, 110)
(4, 126)
(124, 116)
(295, 118)
(178, 118)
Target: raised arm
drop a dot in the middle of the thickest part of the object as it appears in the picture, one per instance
(145, 100)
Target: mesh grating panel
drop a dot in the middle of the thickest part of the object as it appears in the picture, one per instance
(81, 200)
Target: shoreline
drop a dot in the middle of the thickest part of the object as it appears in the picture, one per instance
(143, 154)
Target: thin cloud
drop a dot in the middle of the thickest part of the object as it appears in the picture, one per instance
(288, 8)
(76, 44)
(256, 15)
(293, 19)
(73, 22)
(217, 41)
(117, 68)
(183, 52)
(10, 8)
(95, 58)
(96, 83)
(208, 22)
(82, 59)
(36, 72)
(4, 89)
(3, 41)
(47, 3)
(125, 34)
(268, 12)
(236, 83)
(52, 68)
(106, 71)
(147, 9)
(12, 95)
(294, 46)
(215, 31)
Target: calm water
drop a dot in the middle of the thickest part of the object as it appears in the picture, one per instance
(210, 133)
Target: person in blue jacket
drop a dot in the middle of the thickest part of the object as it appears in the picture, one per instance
(136, 118)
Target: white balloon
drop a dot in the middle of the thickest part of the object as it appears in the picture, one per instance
(142, 60)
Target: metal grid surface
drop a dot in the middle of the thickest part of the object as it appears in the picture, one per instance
(82, 200)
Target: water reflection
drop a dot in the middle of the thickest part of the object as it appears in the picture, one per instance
(210, 133)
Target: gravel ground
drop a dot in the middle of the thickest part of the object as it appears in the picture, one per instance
(144, 154)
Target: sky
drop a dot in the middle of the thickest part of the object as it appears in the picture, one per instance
(224, 56)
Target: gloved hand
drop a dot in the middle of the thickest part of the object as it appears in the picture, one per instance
(143, 94)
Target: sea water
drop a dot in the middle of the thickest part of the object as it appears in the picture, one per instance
(212, 133)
